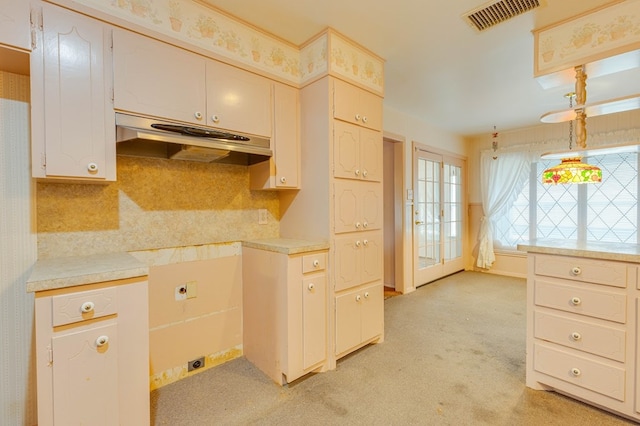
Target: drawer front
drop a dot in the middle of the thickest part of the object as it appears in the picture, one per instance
(608, 342)
(580, 300)
(314, 262)
(83, 305)
(580, 269)
(587, 373)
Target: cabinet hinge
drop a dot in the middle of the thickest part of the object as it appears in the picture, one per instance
(50, 356)
(43, 160)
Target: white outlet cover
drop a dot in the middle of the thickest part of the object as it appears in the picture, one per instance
(179, 295)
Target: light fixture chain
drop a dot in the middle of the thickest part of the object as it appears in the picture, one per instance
(571, 124)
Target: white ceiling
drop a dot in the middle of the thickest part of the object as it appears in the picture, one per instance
(438, 68)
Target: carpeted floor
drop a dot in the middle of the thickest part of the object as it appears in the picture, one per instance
(454, 354)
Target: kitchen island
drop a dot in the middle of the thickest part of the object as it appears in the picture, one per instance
(582, 314)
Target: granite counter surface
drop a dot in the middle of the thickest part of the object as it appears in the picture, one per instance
(594, 250)
(54, 273)
(287, 246)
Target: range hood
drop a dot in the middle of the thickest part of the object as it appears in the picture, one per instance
(140, 136)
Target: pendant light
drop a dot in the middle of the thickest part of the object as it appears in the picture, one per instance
(571, 168)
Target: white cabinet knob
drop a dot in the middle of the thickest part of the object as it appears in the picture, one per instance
(575, 301)
(316, 263)
(102, 340)
(358, 225)
(357, 117)
(197, 115)
(283, 179)
(364, 173)
(575, 336)
(576, 270)
(357, 172)
(364, 118)
(358, 243)
(365, 225)
(215, 118)
(366, 294)
(87, 307)
(92, 167)
(365, 242)
(311, 286)
(575, 372)
(358, 298)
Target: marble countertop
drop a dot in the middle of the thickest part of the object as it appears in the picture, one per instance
(595, 250)
(287, 246)
(50, 274)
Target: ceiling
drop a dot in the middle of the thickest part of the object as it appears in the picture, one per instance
(439, 69)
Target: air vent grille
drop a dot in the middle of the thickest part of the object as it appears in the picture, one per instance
(499, 11)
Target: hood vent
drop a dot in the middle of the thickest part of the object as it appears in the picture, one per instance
(496, 12)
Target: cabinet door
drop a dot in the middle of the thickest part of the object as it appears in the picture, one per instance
(347, 261)
(347, 206)
(371, 205)
(314, 320)
(372, 311)
(286, 139)
(372, 256)
(85, 380)
(371, 155)
(14, 23)
(71, 78)
(238, 100)
(346, 150)
(156, 79)
(357, 106)
(348, 321)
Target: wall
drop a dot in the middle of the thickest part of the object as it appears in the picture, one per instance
(606, 130)
(17, 255)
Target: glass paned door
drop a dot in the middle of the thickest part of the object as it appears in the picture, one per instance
(437, 216)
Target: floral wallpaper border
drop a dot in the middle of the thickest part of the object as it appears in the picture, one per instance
(597, 35)
(205, 27)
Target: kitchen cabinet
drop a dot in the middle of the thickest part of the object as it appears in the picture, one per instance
(357, 152)
(282, 171)
(359, 317)
(73, 133)
(356, 106)
(14, 24)
(358, 259)
(582, 315)
(358, 206)
(156, 79)
(92, 354)
(285, 311)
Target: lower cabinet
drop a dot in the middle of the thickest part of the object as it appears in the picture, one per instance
(285, 312)
(92, 354)
(359, 317)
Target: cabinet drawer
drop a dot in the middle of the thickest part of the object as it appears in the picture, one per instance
(581, 300)
(83, 305)
(608, 342)
(314, 262)
(599, 377)
(580, 269)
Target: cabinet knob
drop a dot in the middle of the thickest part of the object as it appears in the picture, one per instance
(357, 172)
(215, 118)
(576, 270)
(575, 336)
(364, 118)
(87, 307)
(311, 286)
(358, 298)
(575, 301)
(365, 225)
(366, 294)
(316, 263)
(364, 173)
(575, 372)
(197, 115)
(102, 340)
(92, 167)
(365, 242)
(358, 225)
(283, 179)
(357, 117)
(358, 243)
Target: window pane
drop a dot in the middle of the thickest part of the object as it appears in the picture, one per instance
(557, 208)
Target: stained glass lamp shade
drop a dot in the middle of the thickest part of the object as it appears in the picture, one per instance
(572, 170)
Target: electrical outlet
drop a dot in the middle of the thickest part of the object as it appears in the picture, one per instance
(195, 364)
(181, 292)
(262, 216)
(192, 289)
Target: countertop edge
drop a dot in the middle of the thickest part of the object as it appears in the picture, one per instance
(603, 251)
(286, 246)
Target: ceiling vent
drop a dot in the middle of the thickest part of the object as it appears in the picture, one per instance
(499, 11)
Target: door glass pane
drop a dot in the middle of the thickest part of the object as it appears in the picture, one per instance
(427, 213)
(452, 211)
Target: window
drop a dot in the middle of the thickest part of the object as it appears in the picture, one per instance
(606, 212)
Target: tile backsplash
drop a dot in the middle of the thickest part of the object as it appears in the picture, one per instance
(154, 203)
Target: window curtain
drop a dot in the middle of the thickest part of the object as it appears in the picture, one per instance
(501, 180)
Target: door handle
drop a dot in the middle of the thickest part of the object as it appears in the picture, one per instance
(419, 222)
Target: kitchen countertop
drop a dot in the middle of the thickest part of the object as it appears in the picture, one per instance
(61, 272)
(287, 246)
(595, 250)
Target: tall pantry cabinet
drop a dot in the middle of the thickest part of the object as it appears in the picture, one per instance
(341, 201)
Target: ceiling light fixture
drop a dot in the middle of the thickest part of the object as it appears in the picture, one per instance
(571, 168)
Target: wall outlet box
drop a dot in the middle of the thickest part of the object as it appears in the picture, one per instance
(195, 364)
(192, 289)
(181, 292)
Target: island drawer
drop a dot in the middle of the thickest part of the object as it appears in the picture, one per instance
(83, 305)
(582, 300)
(581, 269)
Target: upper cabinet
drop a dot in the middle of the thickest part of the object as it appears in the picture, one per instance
(157, 79)
(357, 106)
(73, 132)
(14, 24)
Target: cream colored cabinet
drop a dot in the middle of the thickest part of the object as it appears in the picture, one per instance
(285, 312)
(359, 317)
(581, 329)
(92, 354)
(14, 24)
(358, 206)
(282, 171)
(358, 259)
(357, 152)
(73, 132)
(357, 106)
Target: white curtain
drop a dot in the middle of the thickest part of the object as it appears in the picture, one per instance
(501, 180)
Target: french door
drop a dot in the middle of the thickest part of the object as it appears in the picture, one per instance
(438, 219)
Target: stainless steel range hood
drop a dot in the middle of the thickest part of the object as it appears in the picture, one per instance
(148, 137)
